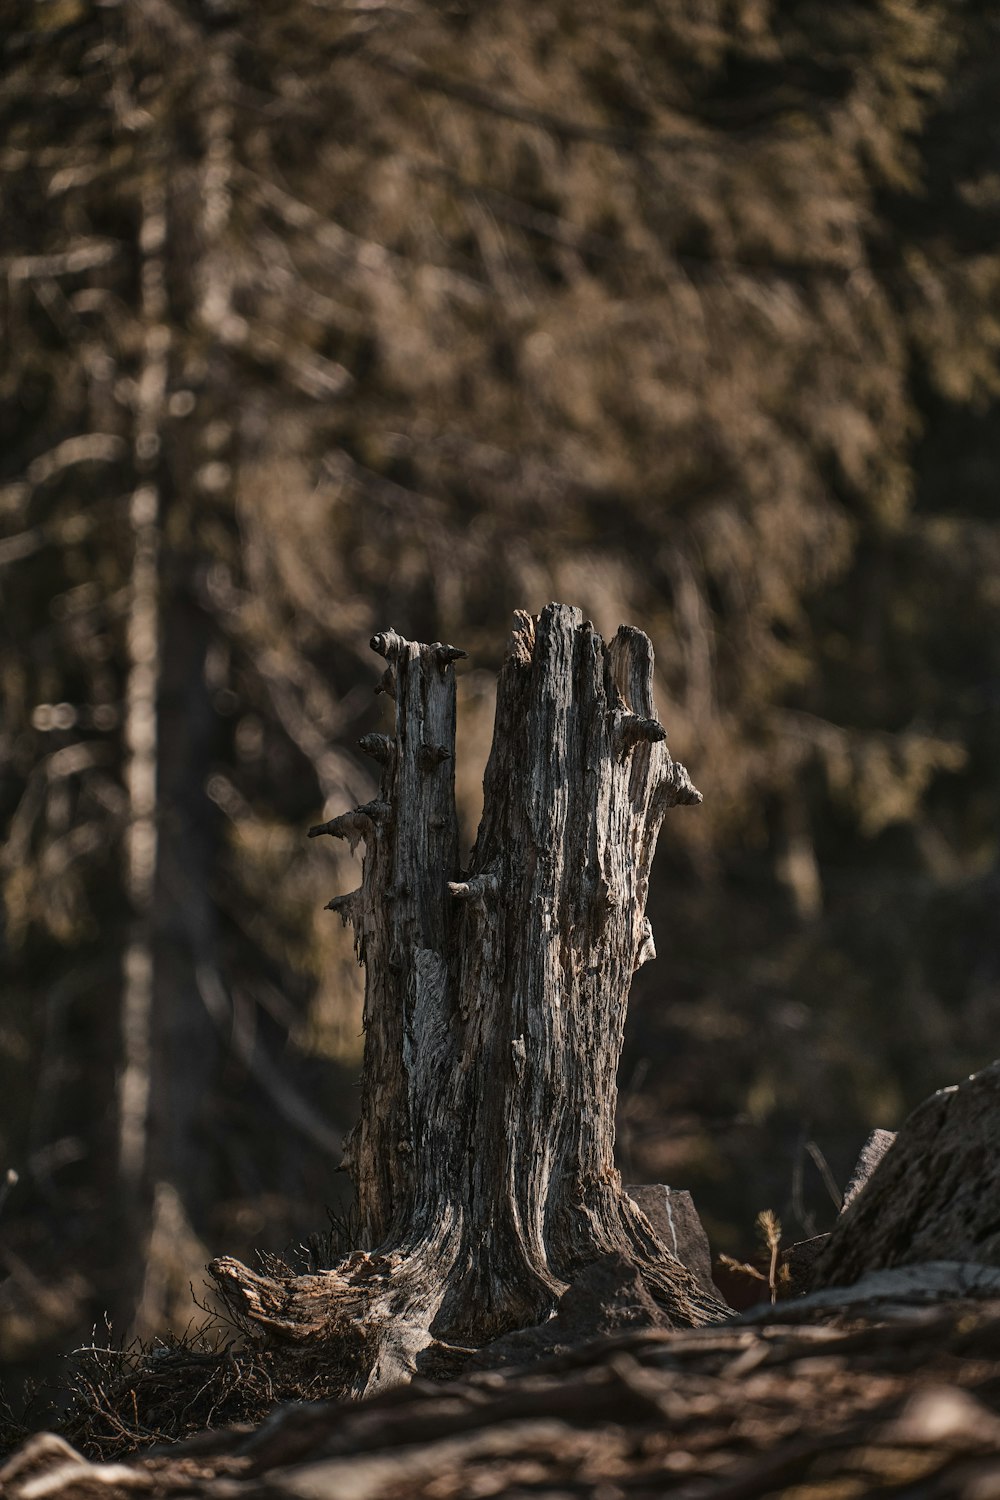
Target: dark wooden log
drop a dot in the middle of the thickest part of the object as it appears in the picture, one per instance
(933, 1196)
(495, 1007)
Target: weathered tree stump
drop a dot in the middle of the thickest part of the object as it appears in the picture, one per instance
(494, 1008)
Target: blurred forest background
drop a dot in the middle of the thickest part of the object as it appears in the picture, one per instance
(321, 316)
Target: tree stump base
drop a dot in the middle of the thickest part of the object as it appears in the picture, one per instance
(495, 1003)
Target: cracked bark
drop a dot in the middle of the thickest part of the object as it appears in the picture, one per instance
(495, 1007)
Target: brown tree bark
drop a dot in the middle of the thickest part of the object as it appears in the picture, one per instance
(495, 1006)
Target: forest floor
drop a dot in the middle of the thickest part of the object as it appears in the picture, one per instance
(818, 1399)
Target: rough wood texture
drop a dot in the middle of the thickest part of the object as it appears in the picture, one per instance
(935, 1195)
(495, 1007)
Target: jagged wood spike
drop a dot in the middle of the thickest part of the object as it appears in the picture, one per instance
(447, 655)
(347, 907)
(389, 643)
(632, 729)
(478, 890)
(380, 747)
(431, 756)
(677, 789)
(354, 825)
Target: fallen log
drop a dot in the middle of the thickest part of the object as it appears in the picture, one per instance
(933, 1196)
(495, 1003)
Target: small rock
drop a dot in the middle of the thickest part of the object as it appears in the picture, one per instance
(608, 1295)
(672, 1213)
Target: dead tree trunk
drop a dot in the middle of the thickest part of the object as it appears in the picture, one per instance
(495, 1005)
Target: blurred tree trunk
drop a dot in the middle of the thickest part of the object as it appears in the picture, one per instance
(182, 1184)
(141, 721)
(495, 1005)
(173, 997)
(191, 1005)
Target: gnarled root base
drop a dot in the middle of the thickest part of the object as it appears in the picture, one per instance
(380, 1315)
(373, 1310)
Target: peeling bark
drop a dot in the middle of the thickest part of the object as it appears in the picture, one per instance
(495, 1007)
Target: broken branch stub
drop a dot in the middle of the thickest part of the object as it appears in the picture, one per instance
(495, 1002)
